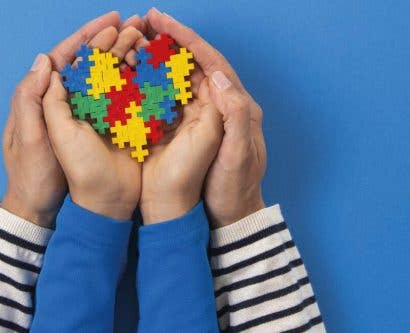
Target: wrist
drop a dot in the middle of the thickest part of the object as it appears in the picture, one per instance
(235, 211)
(15, 205)
(158, 211)
(115, 209)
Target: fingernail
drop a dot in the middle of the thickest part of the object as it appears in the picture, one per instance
(131, 17)
(155, 9)
(220, 80)
(38, 63)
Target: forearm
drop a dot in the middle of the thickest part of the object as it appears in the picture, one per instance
(260, 280)
(174, 281)
(76, 289)
(22, 247)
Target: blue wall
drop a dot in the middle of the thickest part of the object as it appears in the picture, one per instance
(333, 78)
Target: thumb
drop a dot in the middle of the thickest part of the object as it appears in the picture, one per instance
(57, 112)
(233, 105)
(26, 102)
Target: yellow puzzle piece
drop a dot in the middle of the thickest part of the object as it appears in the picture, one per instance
(134, 133)
(103, 75)
(180, 68)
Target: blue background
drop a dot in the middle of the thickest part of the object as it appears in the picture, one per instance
(333, 78)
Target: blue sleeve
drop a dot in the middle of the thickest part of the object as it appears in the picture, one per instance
(174, 282)
(77, 285)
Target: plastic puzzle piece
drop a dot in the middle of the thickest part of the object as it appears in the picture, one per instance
(104, 74)
(95, 109)
(74, 79)
(143, 56)
(169, 115)
(121, 99)
(85, 63)
(155, 93)
(155, 77)
(160, 49)
(154, 96)
(180, 68)
(133, 104)
(184, 95)
(156, 131)
(134, 133)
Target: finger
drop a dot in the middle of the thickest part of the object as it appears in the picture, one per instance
(150, 32)
(26, 102)
(125, 41)
(8, 131)
(134, 21)
(234, 105)
(64, 52)
(57, 112)
(210, 120)
(130, 58)
(205, 55)
(105, 39)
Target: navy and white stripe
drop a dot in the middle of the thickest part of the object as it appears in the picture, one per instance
(22, 247)
(261, 284)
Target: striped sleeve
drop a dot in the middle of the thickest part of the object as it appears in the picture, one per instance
(22, 246)
(261, 284)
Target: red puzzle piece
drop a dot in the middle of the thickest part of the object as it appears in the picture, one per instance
(160, 50)
(156, 129)
(120, 100)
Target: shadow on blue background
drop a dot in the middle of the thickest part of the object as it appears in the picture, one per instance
(333, 78)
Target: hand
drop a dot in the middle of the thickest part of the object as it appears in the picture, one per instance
(101, 177)
(36, 185)
(174, 172)
(233, 184)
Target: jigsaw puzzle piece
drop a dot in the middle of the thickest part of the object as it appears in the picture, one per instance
(155, 127)
(160, 49)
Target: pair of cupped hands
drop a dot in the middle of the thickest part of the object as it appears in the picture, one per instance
(217, 152)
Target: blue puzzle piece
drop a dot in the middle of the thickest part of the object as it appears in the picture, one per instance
(154, 76)
(84, 52)
(74, 77)
(142, 56)
(168, 106)
(74, 80)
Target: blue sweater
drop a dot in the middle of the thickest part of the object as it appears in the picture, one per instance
(86, 256)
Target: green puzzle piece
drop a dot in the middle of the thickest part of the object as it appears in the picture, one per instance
(96, 109)
(154, 95)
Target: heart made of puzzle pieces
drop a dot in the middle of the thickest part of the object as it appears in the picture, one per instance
(133, 103)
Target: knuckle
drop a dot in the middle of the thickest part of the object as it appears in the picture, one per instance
(258, 112)
(47, 100)
(21, 91)
(238, 103)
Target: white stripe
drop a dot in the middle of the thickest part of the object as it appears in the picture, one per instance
(279, 325)
(259, 267)
(19, 253)
(15, 316)
(22, 297)
(258, 289)
(247, 226)
(18, 274)
(26, 230)
(287, 323)
(268, 307)
(251, 250)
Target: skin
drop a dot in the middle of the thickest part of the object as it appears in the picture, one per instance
(228, 119)
(109, 181)
(101, 177)
(30, 162)
(233, 184)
